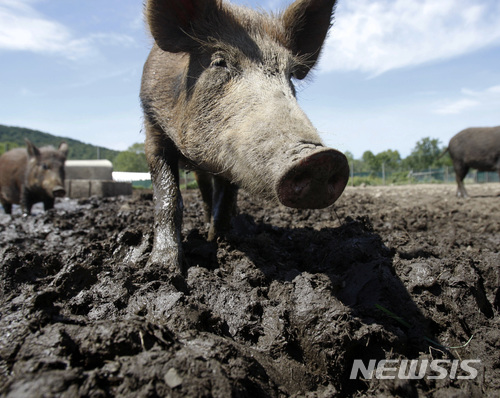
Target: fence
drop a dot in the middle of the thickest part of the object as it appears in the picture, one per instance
(385, 177)
(442, 175)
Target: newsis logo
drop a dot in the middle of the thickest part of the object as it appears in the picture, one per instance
(415, 369)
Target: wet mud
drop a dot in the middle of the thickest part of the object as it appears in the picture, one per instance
(282, 307)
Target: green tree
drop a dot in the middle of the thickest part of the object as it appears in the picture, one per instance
(371, 161)
(133, 159)
(356, 165)
(425, 155)
(390, 159)
(349, 156)
(7, 146)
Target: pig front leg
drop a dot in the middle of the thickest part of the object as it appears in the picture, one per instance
(163, 158)
(48, 203)
(7, 207)
(26, 202)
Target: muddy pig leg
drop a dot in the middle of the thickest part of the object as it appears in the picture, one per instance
(7, 207)
(460, 173)
(224, 207)
(6, 204)
(204, 181)
(26, 202)
(163, 161)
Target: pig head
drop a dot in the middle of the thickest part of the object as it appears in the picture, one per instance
(218, 95)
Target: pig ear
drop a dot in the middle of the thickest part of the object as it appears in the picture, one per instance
(63, 148)
(33, 151)
(306, 23)
(178, 25)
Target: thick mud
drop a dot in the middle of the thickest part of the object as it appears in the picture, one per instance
(282, 307)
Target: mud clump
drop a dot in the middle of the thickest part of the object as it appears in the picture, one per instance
(281, 307)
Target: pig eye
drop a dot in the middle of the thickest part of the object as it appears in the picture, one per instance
(219, 62)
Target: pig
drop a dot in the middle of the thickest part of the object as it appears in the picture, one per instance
(218, 95)
(477, 148)
(32, 175)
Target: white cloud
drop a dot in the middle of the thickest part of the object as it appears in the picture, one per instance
(113, 39)
(489, 93)
(487, 98)
(456, 107)
(22, 28)
(377, 36)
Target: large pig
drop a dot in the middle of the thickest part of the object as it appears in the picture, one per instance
(32, 175)
(477, 148)
(218, 94)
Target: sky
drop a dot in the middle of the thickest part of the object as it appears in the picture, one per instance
(391, 73)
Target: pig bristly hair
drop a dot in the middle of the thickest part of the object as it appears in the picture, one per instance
(187, 25)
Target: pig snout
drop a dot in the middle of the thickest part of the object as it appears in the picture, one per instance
(58, 192)
(53, 187)
(315, 181)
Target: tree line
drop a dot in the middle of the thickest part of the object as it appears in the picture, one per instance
(13, 137)
(426, 154)
(133, 159)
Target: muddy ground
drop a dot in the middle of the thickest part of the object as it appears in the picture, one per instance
(282, 307)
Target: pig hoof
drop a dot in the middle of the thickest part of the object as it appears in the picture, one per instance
(160, 271)
(165, 261)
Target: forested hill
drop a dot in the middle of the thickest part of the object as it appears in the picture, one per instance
(11, 137)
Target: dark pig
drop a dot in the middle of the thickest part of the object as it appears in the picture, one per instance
(218, 94)
(477, 148)
(32, 175)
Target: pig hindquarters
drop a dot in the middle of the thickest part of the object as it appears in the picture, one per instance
(477, 148)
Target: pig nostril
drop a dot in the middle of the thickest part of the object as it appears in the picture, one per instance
(301, 182)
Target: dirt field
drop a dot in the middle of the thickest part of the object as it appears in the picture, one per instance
(282, 307)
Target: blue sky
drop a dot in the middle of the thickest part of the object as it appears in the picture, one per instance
(392, 71)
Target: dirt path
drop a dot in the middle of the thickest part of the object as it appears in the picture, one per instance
(282, 307)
